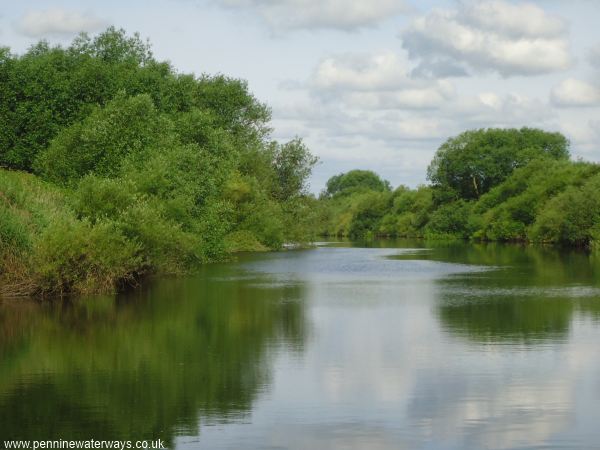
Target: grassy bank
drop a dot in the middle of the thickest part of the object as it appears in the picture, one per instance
(47, 249)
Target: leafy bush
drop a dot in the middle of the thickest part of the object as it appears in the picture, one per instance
(452, 220)
(572, 217)
(47, 250)
(512, 207)
(368, 213)
(72, 256)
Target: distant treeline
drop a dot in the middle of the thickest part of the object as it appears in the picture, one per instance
(113, 166)
(514, 185)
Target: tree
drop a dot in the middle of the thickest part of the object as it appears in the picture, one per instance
(355, 181)
(473, 162)
(50, 88)
(126, 127)
(293, 164)
(113, 46)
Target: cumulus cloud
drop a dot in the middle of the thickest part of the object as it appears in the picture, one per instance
(510, 39)
(378, 81)
(282, 15)
(57, 22)
(374, 96)
(399, 142)
(575, 93)
(369, 109)
(361, 72)
(488, 109)
(517, 21)
(395, 127)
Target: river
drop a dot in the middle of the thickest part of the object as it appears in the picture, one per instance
(392, 345)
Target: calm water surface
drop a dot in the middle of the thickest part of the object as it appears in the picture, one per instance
(392, 346)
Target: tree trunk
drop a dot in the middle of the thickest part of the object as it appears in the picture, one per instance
(475, 186)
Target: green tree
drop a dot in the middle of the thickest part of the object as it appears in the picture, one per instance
(293, 164)
(368, 213)
(113, 46)
(125, 128)
(355, 181)
(473, 162)
(50, 88)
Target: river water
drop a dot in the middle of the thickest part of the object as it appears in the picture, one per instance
(392, 345)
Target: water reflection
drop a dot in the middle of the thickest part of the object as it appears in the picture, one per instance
(157, 364)
(398, 345)
(530, 293)
(507, 317)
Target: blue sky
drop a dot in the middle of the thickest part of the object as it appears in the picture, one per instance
(378, 84)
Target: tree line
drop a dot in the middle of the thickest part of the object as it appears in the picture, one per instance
(514, 185)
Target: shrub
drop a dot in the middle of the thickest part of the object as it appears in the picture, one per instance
(146, 170)
(454, 219)
(367, 214)
(572, 217)
(73, 256)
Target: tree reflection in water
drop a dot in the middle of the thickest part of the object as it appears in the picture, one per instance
(150, 365)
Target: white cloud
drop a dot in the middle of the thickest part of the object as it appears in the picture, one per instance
(490, 100)
(488, 109)
(523, 20)
(407, 98)
(397, 128)
(57, 22)
(361, 72)
(374, 109)
(574, 93)
(511, 39)
(368, 109)
(378, 81)
(584, 134)
(282, 15)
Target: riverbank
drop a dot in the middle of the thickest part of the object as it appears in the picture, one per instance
(48, 249)
(497, 185)
(115, 166)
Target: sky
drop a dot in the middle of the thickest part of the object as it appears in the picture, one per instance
(375, 84)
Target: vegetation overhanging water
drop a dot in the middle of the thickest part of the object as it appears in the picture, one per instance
(115, 166)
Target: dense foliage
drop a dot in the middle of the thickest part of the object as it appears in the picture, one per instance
(493, 185)
(134, 168)
(355, 181)
(470, 164)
